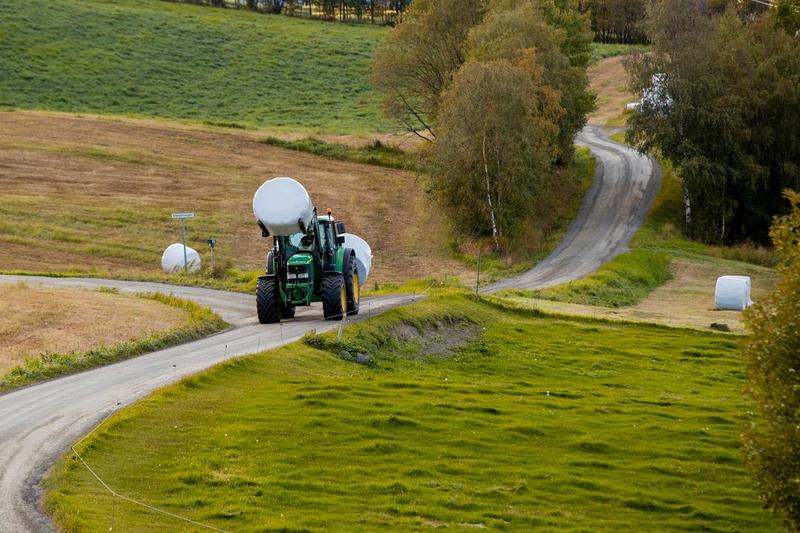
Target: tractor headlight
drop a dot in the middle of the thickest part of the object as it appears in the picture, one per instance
(298, 272)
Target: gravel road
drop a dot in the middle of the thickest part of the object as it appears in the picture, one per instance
(39, 422)
(625, 185)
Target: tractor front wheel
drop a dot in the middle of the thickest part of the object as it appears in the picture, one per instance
(268, 301)
(334, 296)
(351, 283)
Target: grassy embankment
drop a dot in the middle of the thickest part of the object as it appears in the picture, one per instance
(469, 415)
(159, 59)
(198, 322)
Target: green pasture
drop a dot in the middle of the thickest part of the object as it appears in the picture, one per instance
(177, 61)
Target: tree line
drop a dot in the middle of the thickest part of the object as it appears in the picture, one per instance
(616, 21)
(722, 101)
(385, 12)
(499, 90)
(612, 21)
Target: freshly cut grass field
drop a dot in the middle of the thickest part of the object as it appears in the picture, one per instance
(471, 416)
(34, 320)
(178, 61)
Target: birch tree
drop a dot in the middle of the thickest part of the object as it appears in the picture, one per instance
(494, 144)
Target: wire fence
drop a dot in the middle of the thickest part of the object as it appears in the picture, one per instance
(116, 495)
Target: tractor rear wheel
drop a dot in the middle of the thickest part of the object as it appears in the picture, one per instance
(268, 301)
(287, 311)
(334, 296)
(351, 283)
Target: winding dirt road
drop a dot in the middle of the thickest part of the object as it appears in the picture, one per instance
(624, 187)
(39, 422)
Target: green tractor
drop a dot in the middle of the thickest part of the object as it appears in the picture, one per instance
(309, 266)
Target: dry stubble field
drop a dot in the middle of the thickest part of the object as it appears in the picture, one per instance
(92, 194)
(34, 320)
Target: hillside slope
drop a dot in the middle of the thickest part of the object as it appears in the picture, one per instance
(154, 58)
(94, 195)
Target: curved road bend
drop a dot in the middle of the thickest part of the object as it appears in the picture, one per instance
(39, 422)
(625, 185)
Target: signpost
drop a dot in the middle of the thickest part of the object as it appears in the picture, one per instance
(182, 217)
(212, 243)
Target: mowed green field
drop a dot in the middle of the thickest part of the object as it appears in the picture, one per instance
(532, 422)
(178, 61)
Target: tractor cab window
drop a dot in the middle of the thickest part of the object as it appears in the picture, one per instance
(301, 242)
(325, 238)
(294, 239)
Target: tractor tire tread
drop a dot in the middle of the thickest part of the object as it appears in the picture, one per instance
(267, 303)
(348, 272)
(331, 296)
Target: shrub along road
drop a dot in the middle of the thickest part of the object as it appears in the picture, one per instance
(40, 421)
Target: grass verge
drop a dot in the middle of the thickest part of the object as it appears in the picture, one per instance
(201, 322)
(625, 280)
(376, 153)
(523, 421)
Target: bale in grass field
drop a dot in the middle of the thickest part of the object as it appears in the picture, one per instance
(172, 259)
(732, 292)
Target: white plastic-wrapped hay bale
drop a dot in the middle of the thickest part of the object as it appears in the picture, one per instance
(733, 293)
(172, 259)
(283, 206)
(363, 255)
